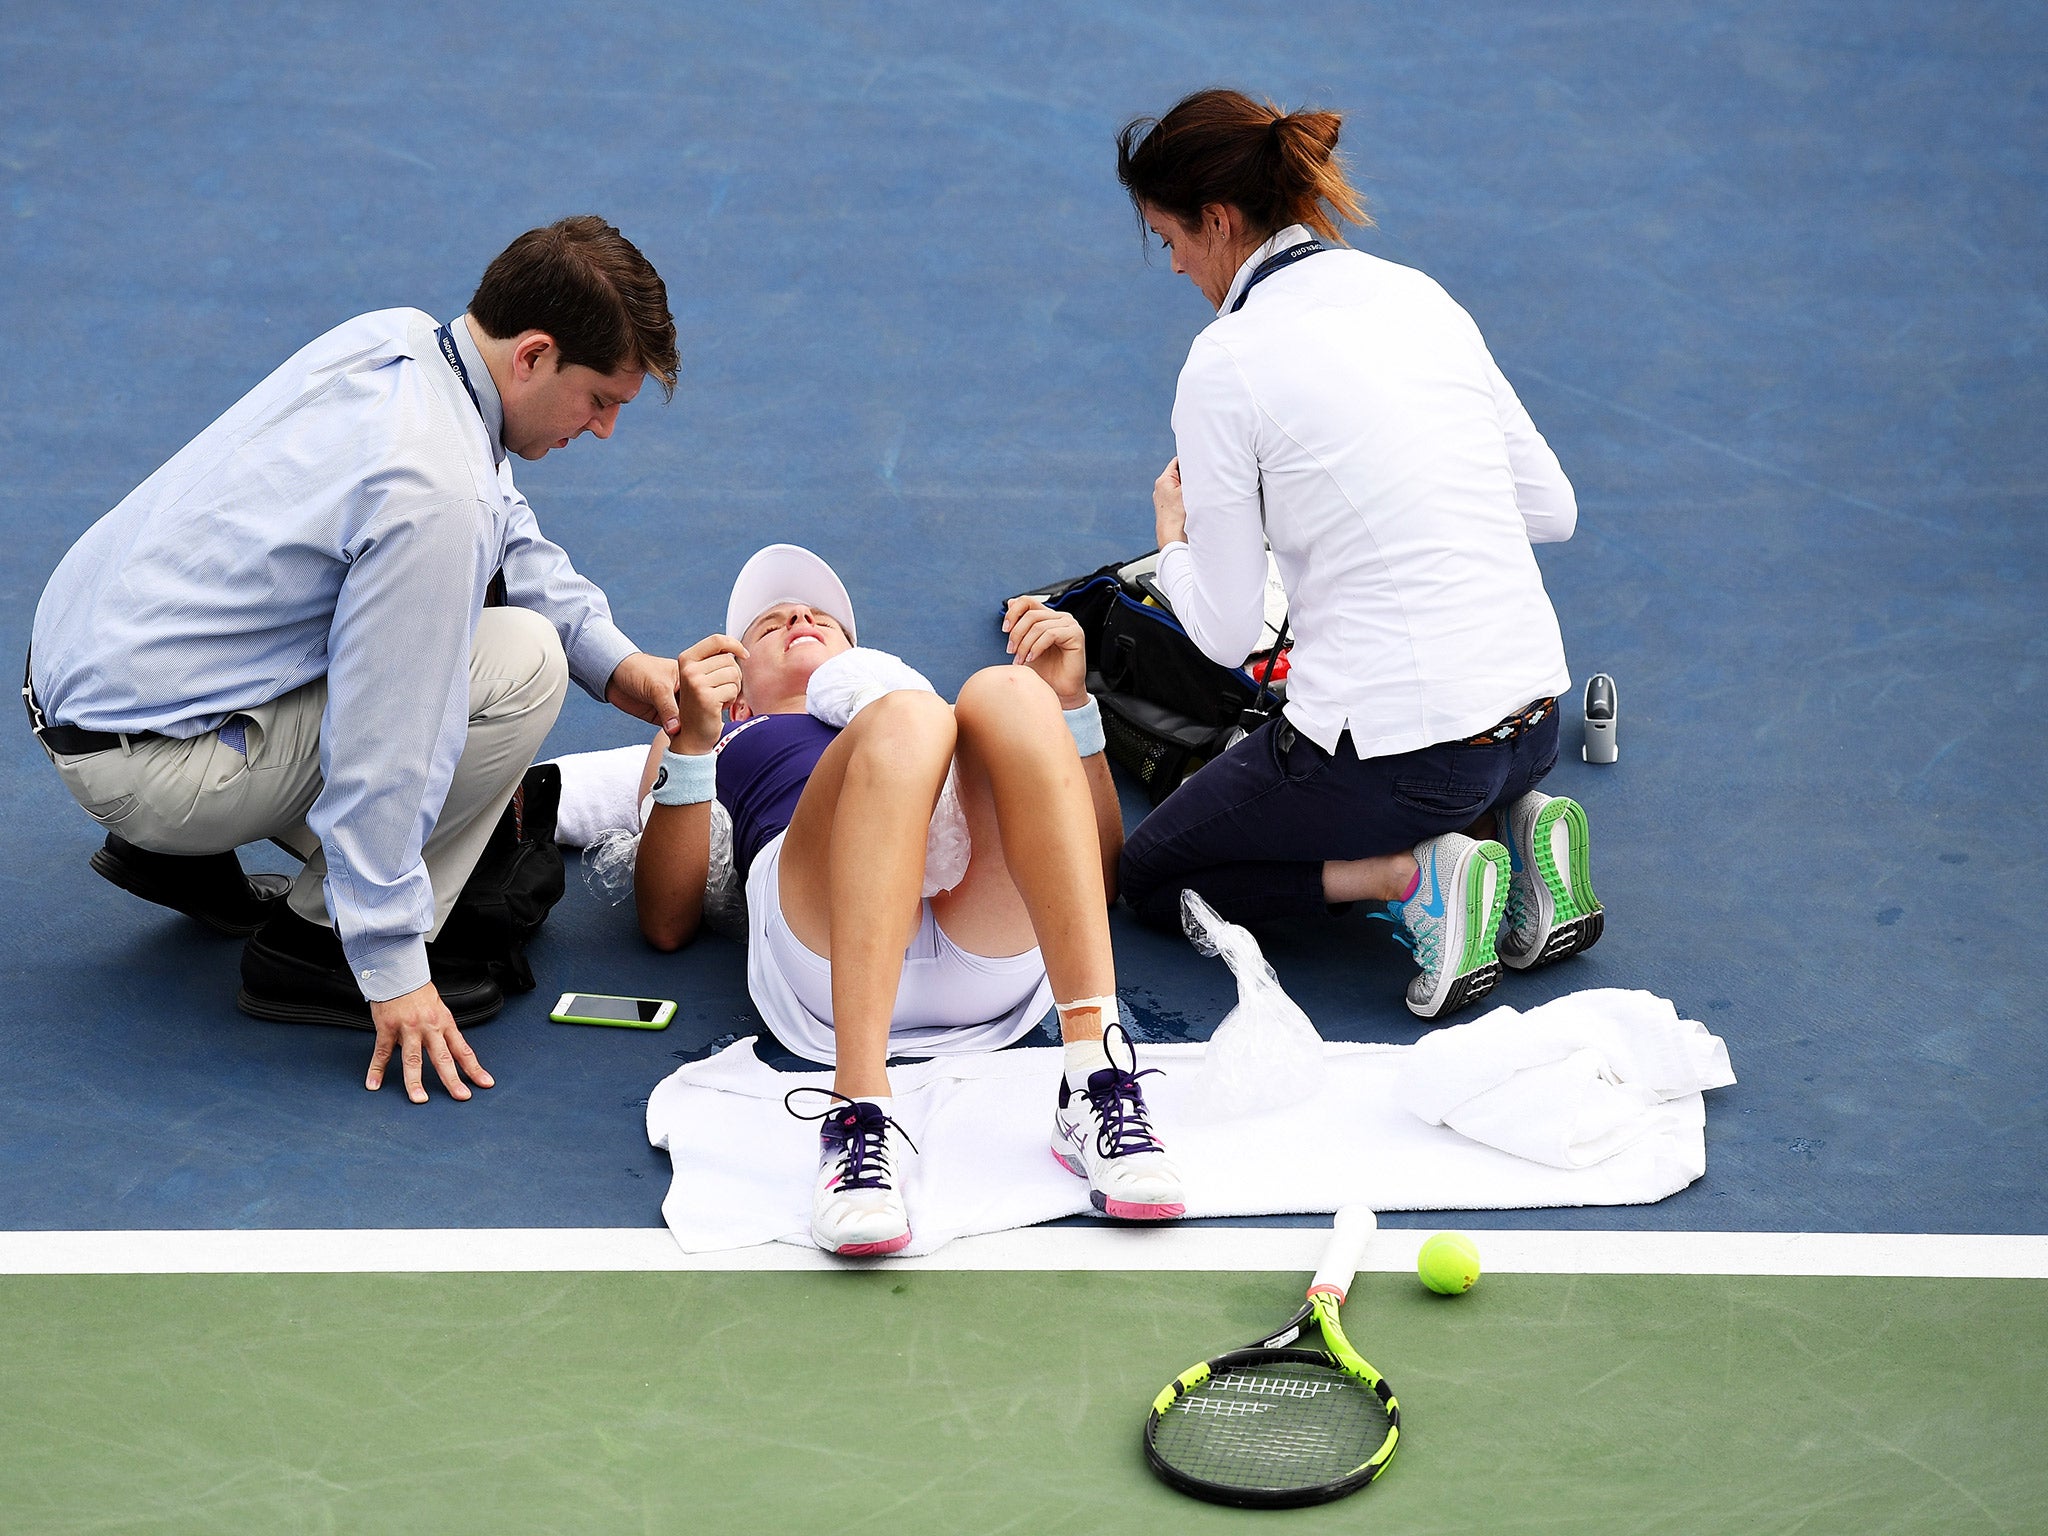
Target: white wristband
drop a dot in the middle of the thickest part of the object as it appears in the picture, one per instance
(1086, 724)
(686, 780)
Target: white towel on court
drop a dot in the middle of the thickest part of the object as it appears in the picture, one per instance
(600, 794)
(743, 1166)
(1570, 1083)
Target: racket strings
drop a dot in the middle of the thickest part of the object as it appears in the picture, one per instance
(1273, 1427)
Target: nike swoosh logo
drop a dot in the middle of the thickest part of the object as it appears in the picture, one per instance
(1434, 907)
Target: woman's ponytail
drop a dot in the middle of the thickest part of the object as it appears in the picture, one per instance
(1218, 146)
(1307, 177)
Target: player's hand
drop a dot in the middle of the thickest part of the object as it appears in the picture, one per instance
(710, 681)
(419, 1026)
(1169, 512)
(1051, 644)
(645, 687)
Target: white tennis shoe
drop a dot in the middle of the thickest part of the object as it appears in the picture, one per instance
(1101, 1133)
(1552, 911)
(1450, 922)
(857, 1208)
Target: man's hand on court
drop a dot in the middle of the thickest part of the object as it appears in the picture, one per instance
(645, 687)
(1169, 512)
(419, 1026)
(1051, 644)
(710, 681)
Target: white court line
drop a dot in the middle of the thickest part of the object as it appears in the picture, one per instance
(543, 1249)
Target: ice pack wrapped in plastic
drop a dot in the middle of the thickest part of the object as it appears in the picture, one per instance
(1265, 1055)
(725, 898)
(608, 871)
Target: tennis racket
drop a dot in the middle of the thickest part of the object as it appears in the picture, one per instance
(1270, 1426)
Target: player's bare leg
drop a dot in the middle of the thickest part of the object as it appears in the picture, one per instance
(852, 876)
(1037, 877)
(853, 867)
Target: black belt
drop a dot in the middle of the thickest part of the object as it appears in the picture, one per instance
(1524, 719)
(1527, 718)
(67, 740)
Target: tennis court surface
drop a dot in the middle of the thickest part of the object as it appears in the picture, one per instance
(1770, 280)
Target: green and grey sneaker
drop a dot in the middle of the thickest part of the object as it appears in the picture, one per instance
(1552, 911)
(1450, 922)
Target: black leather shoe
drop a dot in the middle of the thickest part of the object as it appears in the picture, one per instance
(294, 972)
(208, 886)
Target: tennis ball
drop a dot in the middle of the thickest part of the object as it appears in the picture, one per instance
(1448, 1264)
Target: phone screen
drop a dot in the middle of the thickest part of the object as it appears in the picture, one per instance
(627, 1010)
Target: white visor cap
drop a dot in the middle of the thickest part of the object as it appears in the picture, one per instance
(786, 573)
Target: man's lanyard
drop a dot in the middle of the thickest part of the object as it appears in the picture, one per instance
(448, 350)
(494, 591)
(1274, 263)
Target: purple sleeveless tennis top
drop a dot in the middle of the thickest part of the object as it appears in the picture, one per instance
(763, 765)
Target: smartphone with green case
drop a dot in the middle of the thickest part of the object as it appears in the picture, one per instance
(620, 1012)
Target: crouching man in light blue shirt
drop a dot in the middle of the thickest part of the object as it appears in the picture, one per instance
(283, 633)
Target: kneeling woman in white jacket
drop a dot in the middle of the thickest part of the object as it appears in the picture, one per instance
(830, 761)
(1346, 411)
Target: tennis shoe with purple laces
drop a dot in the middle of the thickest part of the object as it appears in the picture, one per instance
(1102, 1133)
(857, 1208)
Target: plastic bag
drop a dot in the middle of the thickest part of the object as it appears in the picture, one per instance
(1265, 1055)
(947, 847)
(608, 871)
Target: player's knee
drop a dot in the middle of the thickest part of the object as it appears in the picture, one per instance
(1009, 697)
(909, 725)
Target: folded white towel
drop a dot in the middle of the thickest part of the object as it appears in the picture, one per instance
(600, 794)
(1569, 1083)
(743, 1165)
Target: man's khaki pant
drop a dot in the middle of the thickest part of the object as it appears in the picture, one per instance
(202, 796)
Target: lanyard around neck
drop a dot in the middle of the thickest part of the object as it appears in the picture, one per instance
(1274, 263)
(446, 338)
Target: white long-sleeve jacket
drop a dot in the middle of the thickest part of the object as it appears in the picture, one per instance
(1351, 415)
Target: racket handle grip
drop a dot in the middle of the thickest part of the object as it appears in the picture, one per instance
(1354, 1225)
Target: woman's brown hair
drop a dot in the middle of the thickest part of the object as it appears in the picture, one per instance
(1219, 146)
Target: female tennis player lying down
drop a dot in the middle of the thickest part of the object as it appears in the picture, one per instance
(830, 760)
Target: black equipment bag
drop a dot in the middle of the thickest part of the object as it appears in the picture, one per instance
(514, 885)
(1166, 708)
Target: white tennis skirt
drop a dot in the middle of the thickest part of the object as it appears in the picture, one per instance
(949, 1002)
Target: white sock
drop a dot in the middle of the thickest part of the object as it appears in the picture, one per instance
(1085, 1057)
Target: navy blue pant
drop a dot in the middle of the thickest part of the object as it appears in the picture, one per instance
(1250, 831)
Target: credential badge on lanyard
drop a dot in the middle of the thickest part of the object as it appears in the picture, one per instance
(1274, 263)
(446, 338)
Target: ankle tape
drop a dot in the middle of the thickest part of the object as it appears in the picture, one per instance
(1106, 1006)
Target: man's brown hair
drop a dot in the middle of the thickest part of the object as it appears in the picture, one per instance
(1217, 146)
(589, 288)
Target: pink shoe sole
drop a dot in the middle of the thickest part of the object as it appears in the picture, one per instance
(873, 1250)
(1122, 1210)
